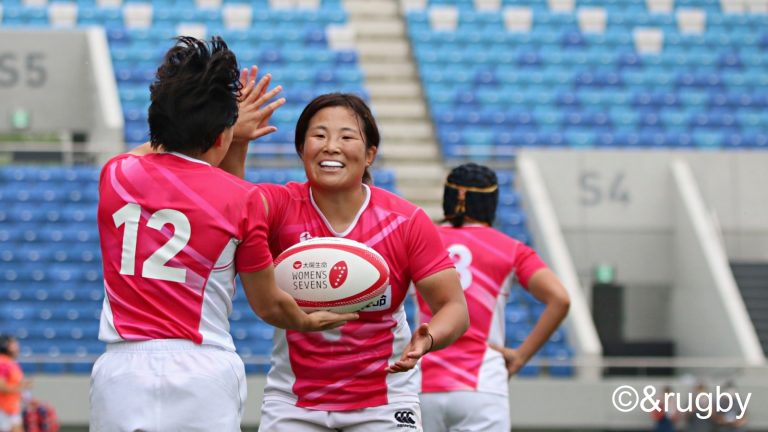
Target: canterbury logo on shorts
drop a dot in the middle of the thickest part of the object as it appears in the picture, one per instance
(405, 419)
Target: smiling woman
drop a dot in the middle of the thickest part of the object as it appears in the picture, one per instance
(344, 123)
(363, 371)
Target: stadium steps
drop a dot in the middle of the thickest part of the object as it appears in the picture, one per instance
(416, 132)
(393, 90)
(397, 100)
(366, 9)
(382, 49)
(400, 110)
(387, 29)
(752, 279)
(378, 71)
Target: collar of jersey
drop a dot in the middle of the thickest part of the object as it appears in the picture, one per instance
(189, 158)
(357, 216)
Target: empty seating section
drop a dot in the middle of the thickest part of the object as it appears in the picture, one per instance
(289, 43)
(492, 90)
(51, 288)
(50, 268)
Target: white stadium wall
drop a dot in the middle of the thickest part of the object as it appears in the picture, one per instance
(623, 208)
(64, 80)
(554, 404)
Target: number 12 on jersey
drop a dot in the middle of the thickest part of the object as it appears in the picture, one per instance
(155, 266)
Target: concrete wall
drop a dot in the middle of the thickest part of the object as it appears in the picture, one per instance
(64, 80)
(534, 403)
(597, 193)
(45, 72)
(707, 311)
(619, 208)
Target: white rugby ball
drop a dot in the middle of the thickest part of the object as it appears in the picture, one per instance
(334, 274)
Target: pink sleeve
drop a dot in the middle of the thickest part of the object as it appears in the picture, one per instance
(527, 262)
(253, 251)
(105, 168)
(426, 252)
(278, 198)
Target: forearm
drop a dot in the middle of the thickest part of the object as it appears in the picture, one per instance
(448, 324)
(270, 303)
(234, 161)
(549, 321)
(283, 313)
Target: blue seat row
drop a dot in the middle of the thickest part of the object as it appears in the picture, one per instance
(169, 15)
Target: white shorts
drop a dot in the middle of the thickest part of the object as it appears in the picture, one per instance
(277, 416)
(465, 411)
(8, 421)
(167, 385)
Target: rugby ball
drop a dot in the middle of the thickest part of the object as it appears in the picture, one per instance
(334, 274)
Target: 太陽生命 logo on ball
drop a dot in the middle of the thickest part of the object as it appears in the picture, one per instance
(297, 265)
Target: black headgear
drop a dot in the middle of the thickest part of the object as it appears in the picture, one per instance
(471, 190)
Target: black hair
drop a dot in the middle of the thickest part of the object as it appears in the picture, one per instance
(5, 344)
(358, 106)
(194, 96)
(471, 190)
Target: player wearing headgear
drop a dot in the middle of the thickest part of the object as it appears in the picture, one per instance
(464, 386)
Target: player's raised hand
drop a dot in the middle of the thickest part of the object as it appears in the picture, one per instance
(254, 108)
(420, 344)
(513, 360)
(325, 320)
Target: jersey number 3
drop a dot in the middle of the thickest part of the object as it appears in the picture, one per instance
(462, 259)
(154, 267)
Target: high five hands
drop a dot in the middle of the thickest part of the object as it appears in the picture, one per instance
(254, 107)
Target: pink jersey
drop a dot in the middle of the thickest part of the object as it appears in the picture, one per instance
(343, 369)
(488, 262)
(173, 231)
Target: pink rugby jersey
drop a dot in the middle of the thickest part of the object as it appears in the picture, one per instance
(487, 262)
(343, 369)
(173, 231)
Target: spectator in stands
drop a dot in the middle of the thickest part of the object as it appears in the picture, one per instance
(359, 377)
(464, 387)
(12, 384)
(174, 229)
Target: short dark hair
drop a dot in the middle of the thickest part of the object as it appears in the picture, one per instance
(353, 102)
(194, 95)
(471, 190)
(5, 344)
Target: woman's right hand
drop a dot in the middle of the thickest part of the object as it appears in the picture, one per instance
(325, 320)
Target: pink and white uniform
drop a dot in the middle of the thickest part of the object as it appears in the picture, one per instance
(174, 230)
(488, 262)
(343, 369)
